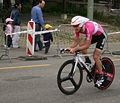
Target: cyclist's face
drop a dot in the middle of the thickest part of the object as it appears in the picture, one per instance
(77, 28)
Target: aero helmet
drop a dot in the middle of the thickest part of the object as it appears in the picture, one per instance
(78, 21)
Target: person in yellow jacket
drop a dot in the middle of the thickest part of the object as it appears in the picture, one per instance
(47, 37)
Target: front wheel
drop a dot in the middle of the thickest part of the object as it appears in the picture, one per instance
(69, 82)
(108, 71)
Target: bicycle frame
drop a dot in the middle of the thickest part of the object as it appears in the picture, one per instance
(79, 60)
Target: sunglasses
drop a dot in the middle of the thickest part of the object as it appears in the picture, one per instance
(75, 25)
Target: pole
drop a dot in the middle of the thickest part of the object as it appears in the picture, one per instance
(90, 9)
(64, 15)
(1, 1)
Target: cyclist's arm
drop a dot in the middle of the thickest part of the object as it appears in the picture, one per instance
(75, 42)
(83, 47)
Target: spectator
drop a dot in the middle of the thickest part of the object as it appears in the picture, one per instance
(37, 17)
(47, 37)
(8, 32)
(15, 15)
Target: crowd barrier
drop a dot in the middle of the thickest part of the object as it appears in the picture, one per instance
(63, 37)
(30, 39)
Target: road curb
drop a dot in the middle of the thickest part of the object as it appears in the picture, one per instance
(30, 58)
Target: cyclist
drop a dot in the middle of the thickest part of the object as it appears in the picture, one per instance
(94, 34)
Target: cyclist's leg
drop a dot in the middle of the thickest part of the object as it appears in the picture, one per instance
(96, 57)
(100, 40)
(98, 62)
(99, 47)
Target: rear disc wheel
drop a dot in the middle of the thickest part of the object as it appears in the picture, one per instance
(108, 72)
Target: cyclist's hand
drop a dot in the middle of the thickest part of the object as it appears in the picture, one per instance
(72, 50)
(67, 50)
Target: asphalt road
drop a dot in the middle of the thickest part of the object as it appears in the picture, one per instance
(35, 82)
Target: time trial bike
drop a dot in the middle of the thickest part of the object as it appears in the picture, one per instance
(70, 74)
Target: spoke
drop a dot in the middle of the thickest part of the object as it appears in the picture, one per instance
(73, 82)
(65, 79)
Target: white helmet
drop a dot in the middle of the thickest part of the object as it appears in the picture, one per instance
(78, 20)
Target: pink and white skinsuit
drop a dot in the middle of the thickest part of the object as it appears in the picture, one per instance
(93, 32)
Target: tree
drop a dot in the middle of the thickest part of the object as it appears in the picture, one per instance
(34, 2)
(5, 12)
(64, 6)
(6, 4)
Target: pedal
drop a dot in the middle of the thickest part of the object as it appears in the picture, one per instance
(89, 79)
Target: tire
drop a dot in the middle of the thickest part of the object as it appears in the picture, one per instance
(108, 71)
(68, 83)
